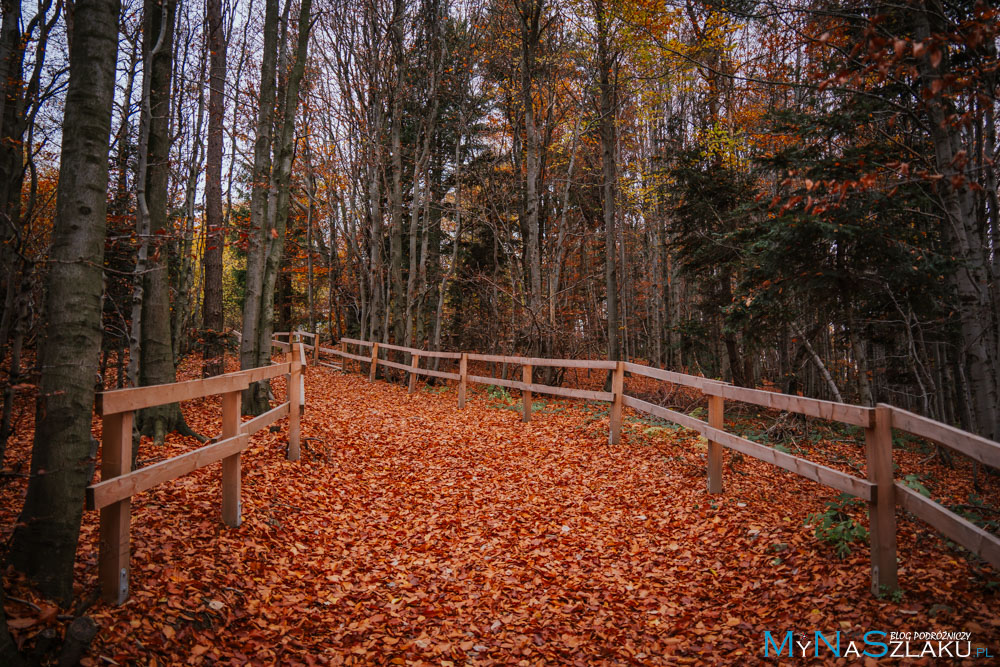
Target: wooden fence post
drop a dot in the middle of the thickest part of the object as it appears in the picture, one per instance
(292, 393)
(374, 363)
(716, 419)
(414, 363)
(116, 460)
(882, 508)
(463, 378)
(617, 389)
(343, 360)
(302, 379)
(526, 393)
(231, 482)
(316, 350)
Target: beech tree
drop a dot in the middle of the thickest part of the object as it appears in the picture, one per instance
(44, 543)
(213, 322)
(254, 399)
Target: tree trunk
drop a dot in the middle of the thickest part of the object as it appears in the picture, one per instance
(310, 209)
(44, 542)
(182, 250)
(531, 28)
(11, 158)
(421, 185)
(212, 317)
(396, 295)
(609, 168)
(820, 366)
(256, 396)
(156, 363)
(281, 178)
(970, 279)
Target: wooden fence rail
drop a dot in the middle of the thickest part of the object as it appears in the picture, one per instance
(879, 489)
(112, 496)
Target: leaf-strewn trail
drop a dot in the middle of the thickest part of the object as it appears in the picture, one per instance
(415, 533)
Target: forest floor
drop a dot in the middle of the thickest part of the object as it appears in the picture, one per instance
(411, 532)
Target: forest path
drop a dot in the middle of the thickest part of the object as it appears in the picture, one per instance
(411, 530)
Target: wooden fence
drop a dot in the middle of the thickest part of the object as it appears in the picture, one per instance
(113, 494)
(879, 489)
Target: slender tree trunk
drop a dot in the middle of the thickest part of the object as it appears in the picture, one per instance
(21, 314)
(281, 179)
(45, 538)
(310, 209)
(11, 158)
(184, 280)
(396, 294)
(156, 364)
(258, 235)
(607, 104)
(530, 14)
(421, 194)
(820, 366)
(212, 317)
(143, 222)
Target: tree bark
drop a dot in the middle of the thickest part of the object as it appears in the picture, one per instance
(156, 363)
(609, 168)
(281, 179)
(396, 296)
(530, 14)
(44, 542)
(970, 280)
(257, 235)
(422, 177)
(212, 317)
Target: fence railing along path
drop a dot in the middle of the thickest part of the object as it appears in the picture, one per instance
(879, 488)
(113, 494)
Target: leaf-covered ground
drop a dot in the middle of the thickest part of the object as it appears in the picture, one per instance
(414, 533)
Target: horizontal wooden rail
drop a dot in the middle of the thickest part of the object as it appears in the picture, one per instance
(840, 412)
(684, 420)
(137, 398)
(348, 355)
(110, 491)
(586, 394)
(669, 376)
(802, 467)
(957, 529)
(596, 364)
(266, 419)
(355, 341)
(498, 359)
(398, 348)
(266, 372)
(394, 364)
(500, 382)
(436, 374)
(974, 446)
(435, 354)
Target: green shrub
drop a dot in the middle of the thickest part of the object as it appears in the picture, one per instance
(835, 526)
(499, 393)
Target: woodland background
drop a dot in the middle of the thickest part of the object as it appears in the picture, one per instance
(797, 194)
